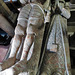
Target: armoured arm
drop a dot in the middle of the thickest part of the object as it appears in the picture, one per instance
(47, 10)
(66, 11)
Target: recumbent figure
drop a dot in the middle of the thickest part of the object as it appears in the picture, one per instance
(30, 21)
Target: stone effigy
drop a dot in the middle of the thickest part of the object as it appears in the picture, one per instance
(56, 60)
(29, 34)
(30, 25)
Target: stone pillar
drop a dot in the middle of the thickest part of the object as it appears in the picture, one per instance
(6, 26)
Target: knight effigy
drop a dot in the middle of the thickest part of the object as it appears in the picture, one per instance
(30, 25)
(28, 56)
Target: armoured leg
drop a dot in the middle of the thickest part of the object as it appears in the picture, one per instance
(21, 65)
(34, 22)
(15, 46)
(27, 45)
